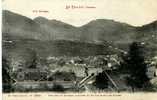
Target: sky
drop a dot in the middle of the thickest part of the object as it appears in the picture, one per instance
(134, 12)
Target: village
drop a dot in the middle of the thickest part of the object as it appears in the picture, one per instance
(92, 73)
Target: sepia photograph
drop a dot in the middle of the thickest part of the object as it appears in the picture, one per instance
(77, 46)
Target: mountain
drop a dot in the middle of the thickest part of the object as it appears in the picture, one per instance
(109, 30)
(43, 29)
(148, 35)
(57, 30)
(20, 26)
(151, 28)
(97, 32)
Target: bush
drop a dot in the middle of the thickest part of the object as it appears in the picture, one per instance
(101, 81)
(58, 88)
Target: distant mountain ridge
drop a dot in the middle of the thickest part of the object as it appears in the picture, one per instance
(99, 31)
(44, 29)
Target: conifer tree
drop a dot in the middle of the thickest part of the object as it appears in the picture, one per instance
(136, 66)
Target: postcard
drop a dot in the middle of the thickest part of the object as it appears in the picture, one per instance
(79, 49)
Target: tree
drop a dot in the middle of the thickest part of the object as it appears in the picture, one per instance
(6, 79)
(136, 66)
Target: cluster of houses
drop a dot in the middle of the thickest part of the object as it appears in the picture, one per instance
(83, 67)
(152, 70)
